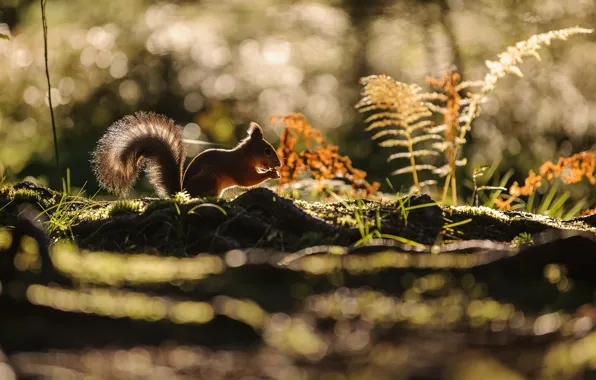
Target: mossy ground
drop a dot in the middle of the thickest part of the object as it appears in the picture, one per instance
(261, 219)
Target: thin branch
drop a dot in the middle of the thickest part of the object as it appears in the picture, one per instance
(45, 50)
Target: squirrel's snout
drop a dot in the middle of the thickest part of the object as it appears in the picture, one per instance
(273, 162)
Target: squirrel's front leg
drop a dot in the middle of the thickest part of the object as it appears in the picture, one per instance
(254, 177)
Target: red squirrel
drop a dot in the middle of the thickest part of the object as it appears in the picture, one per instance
(155, 143)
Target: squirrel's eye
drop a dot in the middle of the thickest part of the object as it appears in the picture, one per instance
(268, 151)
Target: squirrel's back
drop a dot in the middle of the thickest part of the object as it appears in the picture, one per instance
(141, 140)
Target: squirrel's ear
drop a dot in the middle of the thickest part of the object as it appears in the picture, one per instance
(255, 131)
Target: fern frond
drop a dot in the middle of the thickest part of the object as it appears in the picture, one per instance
(443, 171)
(435, 108)
(446, 169)
(437, 129)
(466, 84)
(421, 138)
(509, 59)
(428, 182)
(428, 96)
(382, 115)
(367, 107)
(409, 142)
(417, 153)
(394, 142)
(381, 124)
(442, 146)
(507, 63)
(421, 124)
(465, 101)
(395, 122)
(401, 110)
(390, 132)
(411, 169)
(450, 85)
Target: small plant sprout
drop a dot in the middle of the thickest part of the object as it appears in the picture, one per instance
(479, 172)
(66, 187)
(522, 239)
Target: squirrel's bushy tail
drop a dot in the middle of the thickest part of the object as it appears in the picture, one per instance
(143, 139)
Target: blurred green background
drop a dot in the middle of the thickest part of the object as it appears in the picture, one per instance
(214, 66)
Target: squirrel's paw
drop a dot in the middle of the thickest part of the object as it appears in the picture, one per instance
(274, 174)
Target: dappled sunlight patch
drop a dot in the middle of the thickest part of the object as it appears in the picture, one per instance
(120, 304)
(295, 336)
(245, 311)
(360, 264)
(118, 269)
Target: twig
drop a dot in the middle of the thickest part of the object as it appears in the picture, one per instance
(45, 50)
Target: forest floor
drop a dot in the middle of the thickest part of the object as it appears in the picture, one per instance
(271, 287)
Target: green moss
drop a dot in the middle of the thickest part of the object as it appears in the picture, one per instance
(259, 218)
(125, 206)
(522, 239)
(346, 220)
(26, 195)
(5, 190)
(481, 210)
(159, 204)
(181, 197)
